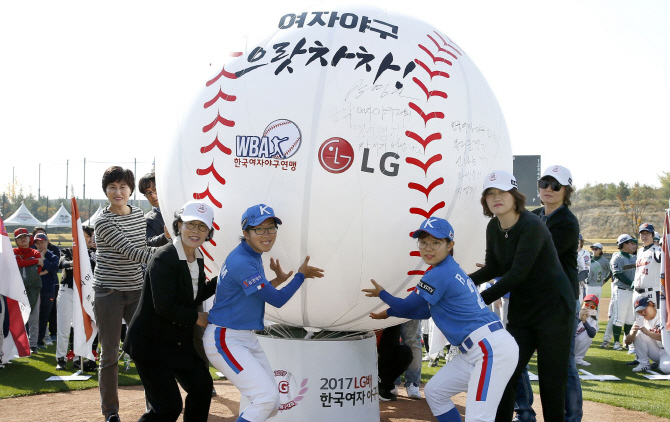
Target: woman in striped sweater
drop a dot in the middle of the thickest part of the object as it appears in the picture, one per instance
(117, 281)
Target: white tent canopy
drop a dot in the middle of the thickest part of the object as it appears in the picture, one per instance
(91, 221)
(62, 218)
(22, 217)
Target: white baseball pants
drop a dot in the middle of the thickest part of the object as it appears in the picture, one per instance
(240, 357)
(594, 290)
(646, 348)
(622, 309)
(483, 372)
(582, 344)
(64, 319)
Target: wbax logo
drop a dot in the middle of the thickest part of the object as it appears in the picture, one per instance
(280, 140)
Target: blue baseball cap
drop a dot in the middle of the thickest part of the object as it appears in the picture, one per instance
(641, 303)
(439, 228)
(255, 215)
(581, 237)
(646, 227)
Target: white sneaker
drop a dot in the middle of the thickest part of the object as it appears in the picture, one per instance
(631, 349)
(617, 346)
(413, 391)
(425, 358)
(582, 362)
(47, 341)
(395, 390)
(642, 367)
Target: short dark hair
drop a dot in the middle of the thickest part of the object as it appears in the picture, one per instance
(519, 202)
(88, 230)
(38, 228)
(118, 174)
(175, 227)
(146, 181)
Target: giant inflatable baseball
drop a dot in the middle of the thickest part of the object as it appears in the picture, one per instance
(355, 125)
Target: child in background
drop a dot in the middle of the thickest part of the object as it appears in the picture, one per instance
(586, 328)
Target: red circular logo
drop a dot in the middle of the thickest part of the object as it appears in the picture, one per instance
(283, 387)
(336, 155)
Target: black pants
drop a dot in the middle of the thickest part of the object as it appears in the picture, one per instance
(53, 318)
(46, 303)
(162, 393)
(394, 358)
(551, 339)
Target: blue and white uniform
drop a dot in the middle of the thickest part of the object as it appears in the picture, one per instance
(489, 354)
(230, 342)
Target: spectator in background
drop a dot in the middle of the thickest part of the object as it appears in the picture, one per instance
(65, 301)
(155, 224)
(52, 321)
(30, 264)
(647, 338)
(410, 335)
(49, 276)
(657, 239)
(120, 234)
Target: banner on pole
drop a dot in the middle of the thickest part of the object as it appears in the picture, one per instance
(83, 320)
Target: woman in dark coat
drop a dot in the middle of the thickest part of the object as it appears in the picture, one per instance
(161, 334)
(520, 250)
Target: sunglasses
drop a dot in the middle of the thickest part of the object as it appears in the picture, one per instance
(589, 306)
(544, 184)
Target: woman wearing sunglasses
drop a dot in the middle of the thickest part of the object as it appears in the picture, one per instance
(161, 333)
(519, 249)
(239, 307)
(555, 190)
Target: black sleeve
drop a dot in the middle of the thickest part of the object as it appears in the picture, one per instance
(491, 268)
(156, 241)
(527, 250)
(565, 235)
(165, 277)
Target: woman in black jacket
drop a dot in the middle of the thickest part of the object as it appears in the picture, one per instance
(520, 250)
(161, 333)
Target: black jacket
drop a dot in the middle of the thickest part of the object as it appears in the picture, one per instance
(564, 229)
(162, 327)
(155, 228)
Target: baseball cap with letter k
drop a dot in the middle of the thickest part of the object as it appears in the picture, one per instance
(439, 228)
(255, 215)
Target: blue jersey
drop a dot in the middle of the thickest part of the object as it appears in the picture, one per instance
(235, 304)
(455, 304)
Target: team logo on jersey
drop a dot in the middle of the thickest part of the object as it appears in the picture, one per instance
(253, 283)
(425, 286)
(281, 140)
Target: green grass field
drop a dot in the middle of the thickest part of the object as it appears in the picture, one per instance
(26, 376)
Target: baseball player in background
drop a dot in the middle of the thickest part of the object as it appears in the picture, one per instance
(599, 272)
(647, 280)
(239, 307)
(489, 354)
(623, 272)
(586, 328)
(583, 266)
(647, 337)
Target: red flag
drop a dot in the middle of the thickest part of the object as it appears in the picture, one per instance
(83, 319)
(15, 302)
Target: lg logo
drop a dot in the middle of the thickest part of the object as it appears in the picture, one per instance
(336, 155)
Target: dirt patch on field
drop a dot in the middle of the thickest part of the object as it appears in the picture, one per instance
(83, 406)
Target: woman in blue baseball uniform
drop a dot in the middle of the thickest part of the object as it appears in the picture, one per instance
(488, 355)
(239, 307)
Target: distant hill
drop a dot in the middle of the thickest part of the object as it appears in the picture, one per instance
(607, 220)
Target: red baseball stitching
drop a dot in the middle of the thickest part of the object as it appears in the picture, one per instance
(424, 116)
(424, 142)
(212, 170)
(426, 191)
(416, 272)
(220, 95)
(235, 53)
(216, 226)
(202, 248)
(216, 120)
(432, 73)
(276, 126)
(424, 166)
(442, 49)
(430, 212)
(222, 73)
(429, 93)
(447, 44)
(435, 58)
(216, 144)
(207, 194)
